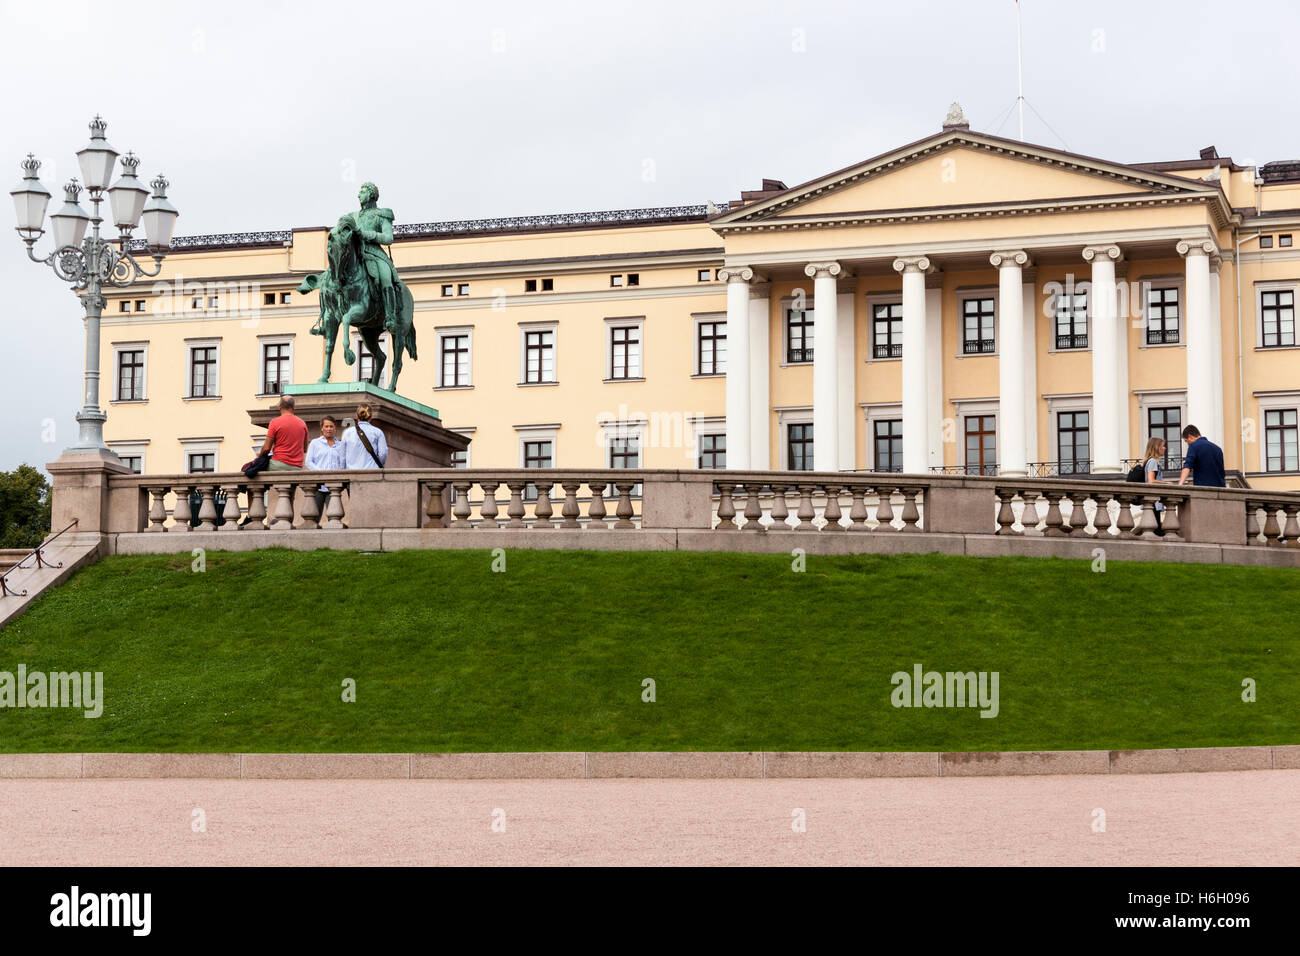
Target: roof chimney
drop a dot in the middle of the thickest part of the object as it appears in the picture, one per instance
(1209, 153)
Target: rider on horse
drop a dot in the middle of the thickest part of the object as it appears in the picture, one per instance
(376, 228)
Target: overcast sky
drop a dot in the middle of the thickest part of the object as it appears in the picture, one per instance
(267, 115)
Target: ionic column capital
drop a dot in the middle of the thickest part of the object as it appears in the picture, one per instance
(1109, 251)
(1015, 258)
(907, 264)
(822, 270)
(736, 274)
(1196, 247)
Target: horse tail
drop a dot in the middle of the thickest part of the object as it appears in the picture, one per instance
(410, 341)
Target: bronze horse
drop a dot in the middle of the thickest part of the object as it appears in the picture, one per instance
(349, 297)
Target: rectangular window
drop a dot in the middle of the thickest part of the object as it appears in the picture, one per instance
(887, 331)
(624, 351)
(977, 327)
(530, 285)
(268, 298)
(124, 305)
(203, 371)
(799, 438)
(713, 451)
(1266, 242)
(195, 303)
(548, 285)
(286, 298)
(539, 356)
(615, 282)
(981, 445)
(798, 336)
(1162, 316)
(462, 289)
(1072, 320)
(1281, 441)
(1277, 313)
(275, 368)
(1074, 457)
(366, 360)
(130, 375)
(212, 301)
(132, 461)
(711, 348)
(460, 458)
(448, 290)
(703, 275)
(455, 360)
(1167, 423)
(633, 278)
(625, 452)
(537, 454)
(1284, 240)
(205, 463)
(140, 305)
(888, 438)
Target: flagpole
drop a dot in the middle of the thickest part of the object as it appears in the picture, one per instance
(1020, 74)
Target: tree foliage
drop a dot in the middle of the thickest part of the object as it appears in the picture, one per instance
(24, 507)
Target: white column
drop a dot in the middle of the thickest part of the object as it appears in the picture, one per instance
(1217, 414)
(934, 368)
(738, 365)
(1011, 361)
(826, 388)
(846, 322)
(1200, 347)
(1029, 306)
(760, 372)
(1123, 394)
(1104, 431)
(915, 391)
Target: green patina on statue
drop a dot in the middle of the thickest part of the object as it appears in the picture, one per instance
(361, 288)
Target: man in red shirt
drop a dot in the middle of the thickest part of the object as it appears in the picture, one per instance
(286, 438)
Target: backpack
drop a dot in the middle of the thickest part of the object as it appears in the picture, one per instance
(1137, 473)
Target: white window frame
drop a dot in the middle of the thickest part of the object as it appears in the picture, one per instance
(1075, 402)
(704, 425)
(468, 431)
(874, 299)
(707, 318)
(1149, 398)
(117, 370)
(135, 448)
(1145, 284)
(872, 413)
(527, 433)
(794, 415)
(787, 303)
(981, 292)
(264, 340)
(972, 408)
(551, 326)
(1081, 286)
(1276, 285)
(452, 331)
(630, 428)
(201, 446)
(625, 322)
(1272, 401)
(385, 343)
(190, 346)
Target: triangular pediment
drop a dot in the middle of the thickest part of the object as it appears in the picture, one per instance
(962, 171)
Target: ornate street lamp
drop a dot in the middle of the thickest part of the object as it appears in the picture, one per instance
(89, 262)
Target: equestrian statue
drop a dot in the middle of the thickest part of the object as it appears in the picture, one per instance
(361, 289)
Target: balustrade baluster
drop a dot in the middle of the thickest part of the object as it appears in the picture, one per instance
(515, 509)
(1124, 519)
(625, 510)
(488, 509)
(1146, 521)
(158, 509)
(858, 510)
(1252, 522)
(462, 509)
(832, 512)
(283, 514)
(1077, 520)
(542, 510)
(1053, 521)
(334, 505)
(726, 507)
(181, 513)
(207, 509)
(596, 508)
(911, 514)
(1292, 529)
(1272, 530)
(230, 513)
(436, 512)
(753, 509)
(309, 511)
(1101, 519)
(780, 508)
(1006, 518)
(1029, 513)
(884, 509)
(1171, 523)
(806, 512)
(256, 508)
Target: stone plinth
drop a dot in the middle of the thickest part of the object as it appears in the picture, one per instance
(415, 436)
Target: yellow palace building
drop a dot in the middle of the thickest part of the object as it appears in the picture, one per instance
(965, 302)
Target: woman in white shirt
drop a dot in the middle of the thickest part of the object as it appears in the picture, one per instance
(355, 453)
(1151, 468)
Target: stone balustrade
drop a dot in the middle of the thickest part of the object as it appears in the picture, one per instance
(686, 508)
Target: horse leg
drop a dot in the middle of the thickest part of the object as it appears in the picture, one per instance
(331, 330)
(397, 360)
(370, 335)
(353, 313)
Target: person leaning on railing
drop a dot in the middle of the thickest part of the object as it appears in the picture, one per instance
(1151, 469)
(364, 445)
(325, 453)
(286, 439)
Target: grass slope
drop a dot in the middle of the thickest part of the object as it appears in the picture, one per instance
(551, 654)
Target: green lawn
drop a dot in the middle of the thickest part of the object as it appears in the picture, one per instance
(447, 655)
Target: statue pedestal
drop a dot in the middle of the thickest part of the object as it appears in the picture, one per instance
(415, 436)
